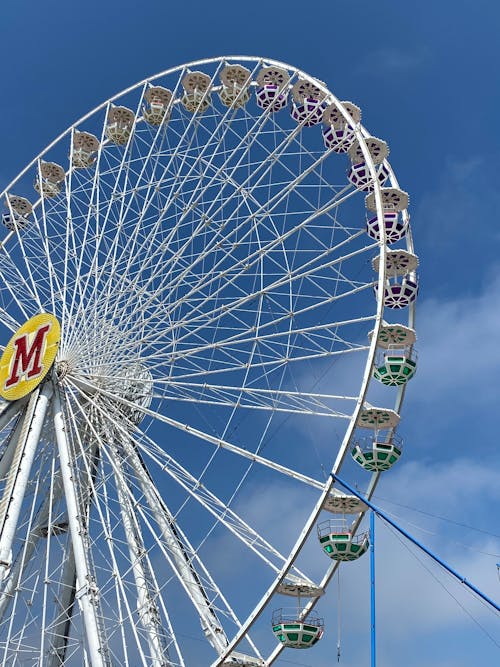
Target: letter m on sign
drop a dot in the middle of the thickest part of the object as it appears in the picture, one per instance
(27, 358)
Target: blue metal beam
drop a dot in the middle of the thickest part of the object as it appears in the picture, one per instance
(372, 589)
(418, 544)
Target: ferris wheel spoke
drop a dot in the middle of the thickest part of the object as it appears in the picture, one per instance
(99, 208)
(222, 169)
(188, 556)
(223, 310)
(123, 605)
(280, 320)
(206, 498)
(181, 554)
(87, 211)
(69, 235)
(242, 266)
(209, 439)
(226, 309)
(322, 182)
(106, 525)
(132, 292)
(201, 583)
(268, 211)
(172, 541)
(252, 258)
(181, 557)
(148, 591)
(211, 147)
(8, 321)
(172, 157)
(249, 397)
(326, 335)
(41, 254)
(327, 332)
(128, 247)
(196, 367)
(106, 216)
(54, 285)
(18, 290)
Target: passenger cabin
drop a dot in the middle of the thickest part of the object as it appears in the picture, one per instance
(120, 122)
(235, 80)
(338, 541)
(156, 111)
(307, 103)
(18, 214)
(338, 132)
(378, 453)
(271, 93)
(84, 152)
(296, 630)
(48, 180)
(196, 98)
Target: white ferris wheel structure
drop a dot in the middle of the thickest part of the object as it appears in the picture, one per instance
(219, 265)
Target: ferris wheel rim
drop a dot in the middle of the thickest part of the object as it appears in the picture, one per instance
(361, 133)
(144, 82)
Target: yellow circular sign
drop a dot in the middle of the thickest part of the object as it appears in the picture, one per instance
(29, 356)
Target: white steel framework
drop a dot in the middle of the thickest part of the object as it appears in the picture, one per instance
(208, 260)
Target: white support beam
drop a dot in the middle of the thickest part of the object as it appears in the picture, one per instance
(86, 592)
(24, 558)
(188, 576)
(8, 453)
(147, 608)
(67, 588)
(10, 410)
(64, 606)
(18, 474)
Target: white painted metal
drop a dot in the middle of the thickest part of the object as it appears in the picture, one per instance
(8, 453)
(224, 328)
(255, 458)
(211, 625)
(9, 411)
(147, 607)
(31, 543)
(15, 488)
(63, 614)
(86, 592)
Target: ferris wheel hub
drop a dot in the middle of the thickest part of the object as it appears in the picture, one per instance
(28, 356)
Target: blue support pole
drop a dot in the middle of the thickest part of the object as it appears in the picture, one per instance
(372, 589)
(418, 544)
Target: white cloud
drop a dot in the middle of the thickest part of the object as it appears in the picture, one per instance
(415, 613)
(457, 213)
(391, 60)
(459, 355)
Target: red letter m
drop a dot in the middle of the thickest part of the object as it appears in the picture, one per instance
(27, 359)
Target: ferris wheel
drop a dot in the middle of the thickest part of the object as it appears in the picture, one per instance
(207, 290)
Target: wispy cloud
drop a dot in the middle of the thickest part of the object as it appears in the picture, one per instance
(462, 205)
(459, 356)
(416, 608)
(391, 60)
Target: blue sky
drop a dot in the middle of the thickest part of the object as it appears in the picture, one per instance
(426, 76)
